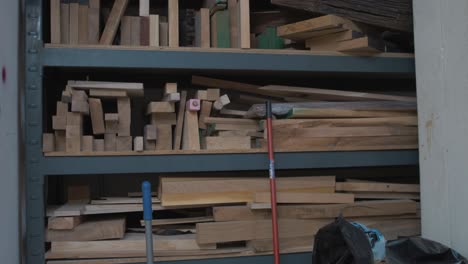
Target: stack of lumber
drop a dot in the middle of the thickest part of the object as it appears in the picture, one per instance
(83, 100)
(331, 33)
(226, 216)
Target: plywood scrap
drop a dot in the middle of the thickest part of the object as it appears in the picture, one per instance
(233, 142)
(92, 229)
(63, 222)
(113, 22)
(306, 198)
(316, 27)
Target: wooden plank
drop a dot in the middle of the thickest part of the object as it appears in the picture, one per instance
(97, 116)
(191, 136)
(133, 244)
(266, 245)
(336, 94)
(62, 109)
(87, 143)
(331, 41)
(233, 112)
(69, 209)
(394, 15)
(377, 187)
(236, 127)
(126, 31)
(60, 141)
(202, 28)
(122, 200)
(63, 222)
(212, 94)
(346, 143)
(204, 113)
(93, 24)
(343, 122)
(144, 31)
(315, 27)
(221, 102)
(73, 138)
(219, 232)
(59, 122)
(233, 121)
(135, 24)
(113, 21)
(144, 8)
(101, 93)
(386, 195)
(133, 89)
(240, 133)
(228, 190)
(163, 34)
(99, 229)
(150, 132)
(83, 24)
(175, 221)
(125, 115)
(64, 23)
(160, 107)
(154, 30)
(306, 198)
(55, 24)
(111, 123)
(74, 24)
(78, 106)
(98, 145)
(110, 143)
(173, 20)
(238, 213)
(124, 143)
(48, 142)
(234, 142)
(342, 113)
(180, 121)
(234, 23)
(243, 19)
(164, 141)
(324, 132)
(362, 45)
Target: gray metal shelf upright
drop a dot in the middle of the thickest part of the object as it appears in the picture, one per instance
(37, 57)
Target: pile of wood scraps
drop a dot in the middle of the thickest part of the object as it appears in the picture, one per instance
(208, 217)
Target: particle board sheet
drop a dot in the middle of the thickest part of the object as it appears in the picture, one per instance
(193, 191)
(90, 230)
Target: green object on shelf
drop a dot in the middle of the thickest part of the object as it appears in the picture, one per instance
(270, 40)
(221, 37)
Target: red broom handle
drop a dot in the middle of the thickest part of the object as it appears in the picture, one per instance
(271, 156)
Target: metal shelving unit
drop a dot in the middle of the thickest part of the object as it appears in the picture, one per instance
(38, 167)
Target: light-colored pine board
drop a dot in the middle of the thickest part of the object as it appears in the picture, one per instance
(83, 24)
(335, 94)
(69, 209)
(191, 135)
(63, 222)
(344, 113)
(122, 200)
(233, 112)
(180, 121)
(236, 127)
(176, 221)
(107, 94)
(315, 27)
(164, 141)
(364, 45)
(99, 229)
(48, 142)
(154, 30)
(386, 195)
(306, 198)
(126, 31)
(243, 18)
(125, 116)
(87, 143)
(59, 122)
(160, 107)
(377, 187)
(173, 21)
(135, 32)
(144, 8)
(110, 142)
(233, 23)
(74, 23)
(330, 41)
(219, 232)
(64, 23)
(202, 28)
(266, 245)
(133, 89)
(97, 116)
(55, 25)
(204, 113)
(163, 119)
(113, 21)
(94, 22)
(324, 132)
(231, 121)
(233, 142)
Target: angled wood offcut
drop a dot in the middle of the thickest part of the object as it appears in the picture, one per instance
(113, 21)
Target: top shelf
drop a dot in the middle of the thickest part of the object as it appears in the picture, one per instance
(251, 60)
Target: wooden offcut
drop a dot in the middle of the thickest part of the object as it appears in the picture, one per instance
(98, 145)
(48, 142)
(361, 45)
(144, 8)
(234, 23)
(110, 142)
(233, 142)
(123, 143)
(126, 31)
(154, 30)
(74, 24)
(221, 102)
(243, 18)
(113, 21)
(94, 21)
(144, 31)
(191, 136)
(306, 198)
(173, 20)
(132, 89)
(138, 144)
(164, 141)
(343, 113)
(64, 23)
(124, 110)
(99, 229)
(160, 107)
(202, 20)
(135, 31)
(377, 187)
(97, 116)
(163, 119)
(205, 112)
(180, 121)
(59, 122)
(55, 25)
(83, 24)
(63, 222)
(87, 143)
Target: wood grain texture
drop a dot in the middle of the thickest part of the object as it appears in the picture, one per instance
(113, 21)
(377, 187)
(63, 222)
(243, 17)
(74, 23)
(64, 23)
(191, 135)
(97, 116)
(306, 198)
(55, 22)
(173, 20)
(180, 121)
(83, 24)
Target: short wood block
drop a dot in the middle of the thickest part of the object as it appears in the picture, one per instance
(60, 141)
(59, 122)
(80, 107)
(138, 144)
(149, 144)
(87, 143)
(221, 102)
(164, 141)
(74, 119)
(193, 105)
(97, 116)
(111, 123)
(98, 145)
(124, 143)
(160, 107)
(163, 119)
(170, 88)
(205, 112)
(201, 95)
(151, 132)
(172, 97)
(110, 143)
(48, 142)
(124, 110)
(212, 94)
(62, 109)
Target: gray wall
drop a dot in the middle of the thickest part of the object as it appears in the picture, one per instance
(9, 176)
(441, 36)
